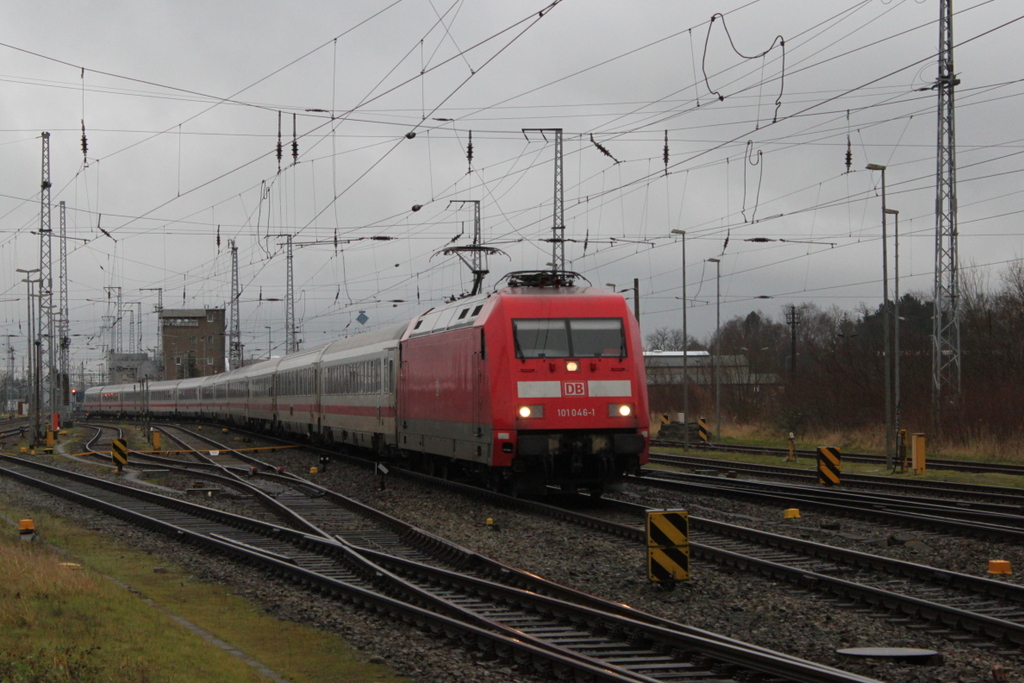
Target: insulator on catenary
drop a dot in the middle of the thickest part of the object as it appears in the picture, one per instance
(279, 141)
(295, 141)
(665, 153)
(85, 144)
(469, 153)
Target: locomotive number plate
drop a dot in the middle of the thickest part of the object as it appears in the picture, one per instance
(576, 412)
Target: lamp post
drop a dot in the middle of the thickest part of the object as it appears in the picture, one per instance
(268, 341)
(896, 319)
(9, 377)
(886, 358)
(718, 344)
(686, 351)
(33, 357)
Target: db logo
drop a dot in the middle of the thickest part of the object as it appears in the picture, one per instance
(574, 389)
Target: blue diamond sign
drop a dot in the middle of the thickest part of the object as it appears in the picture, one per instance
(362, 318)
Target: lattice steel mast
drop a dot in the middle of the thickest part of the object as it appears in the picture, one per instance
(64, 334)
(558, 213)
(291, 346)
(235, 350)
(47, 371)
(946, 330)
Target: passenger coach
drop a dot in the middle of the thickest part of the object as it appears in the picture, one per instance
(541, 382)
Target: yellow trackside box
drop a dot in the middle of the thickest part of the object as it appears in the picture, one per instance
(668, 545)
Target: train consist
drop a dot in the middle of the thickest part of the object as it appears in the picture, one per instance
(541, 382)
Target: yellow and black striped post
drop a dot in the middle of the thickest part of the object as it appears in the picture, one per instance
(119, 453)
(702, 429)
(829, 465)
(668, 546)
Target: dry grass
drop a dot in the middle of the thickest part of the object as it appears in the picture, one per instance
(982, 448)
(60, 624)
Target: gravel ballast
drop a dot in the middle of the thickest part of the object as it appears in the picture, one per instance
(739, 605)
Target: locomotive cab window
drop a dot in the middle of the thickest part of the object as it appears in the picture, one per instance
(569, 338)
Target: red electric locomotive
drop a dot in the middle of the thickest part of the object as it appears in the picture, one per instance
(542, 382)
(539, 383)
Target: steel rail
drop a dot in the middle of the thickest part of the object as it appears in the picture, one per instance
(890, 511)
(498, 636)
(974, 623)
(1003, 494)
(933, 463)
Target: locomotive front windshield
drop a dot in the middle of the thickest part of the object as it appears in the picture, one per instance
(569, 338)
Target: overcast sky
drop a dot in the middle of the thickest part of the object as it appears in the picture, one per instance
(181, 101)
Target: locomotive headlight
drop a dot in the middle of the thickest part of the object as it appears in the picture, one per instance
(572, 366)
(531, 411)
(621, 410)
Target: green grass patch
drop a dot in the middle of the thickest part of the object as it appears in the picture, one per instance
(71, 623)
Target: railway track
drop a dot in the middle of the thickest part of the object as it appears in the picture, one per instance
(984, 612)
(980, 611)
(980, 492)
(593, 641)
(933, 463)
(978, 519)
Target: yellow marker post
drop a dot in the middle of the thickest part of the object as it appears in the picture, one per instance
(156, 439)
(668, 546)
(829, 465)
(702, 429)
(119, 453)
(917, 454)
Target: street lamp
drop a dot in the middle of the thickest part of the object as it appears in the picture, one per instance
(686, 351)
(886, 359)
(896, 319)
(33, 359)
(718, 343)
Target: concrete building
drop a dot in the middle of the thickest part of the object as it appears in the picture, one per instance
(193, 342)
(125, 368)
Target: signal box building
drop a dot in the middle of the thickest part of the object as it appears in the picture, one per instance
(193, 342)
